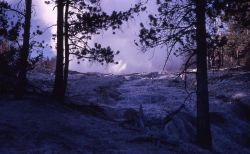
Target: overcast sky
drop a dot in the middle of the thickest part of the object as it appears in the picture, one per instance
(130, 59)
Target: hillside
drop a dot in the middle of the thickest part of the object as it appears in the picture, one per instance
(126, 114)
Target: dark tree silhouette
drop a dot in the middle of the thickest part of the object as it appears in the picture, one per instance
(58, 91)
(15, 30)
(203, 118)
(73, 35)
(22, 79)
(66, 41)
(9, 37)
(180, 26)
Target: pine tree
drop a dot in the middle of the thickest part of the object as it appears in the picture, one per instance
(73, 35)
(203, 118)
(180, 26)
(22, 76)
(58, 91)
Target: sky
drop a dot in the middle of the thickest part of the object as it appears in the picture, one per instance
(131, 59)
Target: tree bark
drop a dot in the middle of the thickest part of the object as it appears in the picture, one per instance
(23, 61)
(66, 33)
(58, 91)
(238, 57)
(203, 118)
(222, 57)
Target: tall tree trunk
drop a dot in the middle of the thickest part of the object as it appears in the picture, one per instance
(219, 61)
(23, 61)
(203, 118)
(213, 61)
(238, 57)
(66, 33)
(222, 57)
(58, 91)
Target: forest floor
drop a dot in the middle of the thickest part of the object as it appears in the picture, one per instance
(124, 114)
